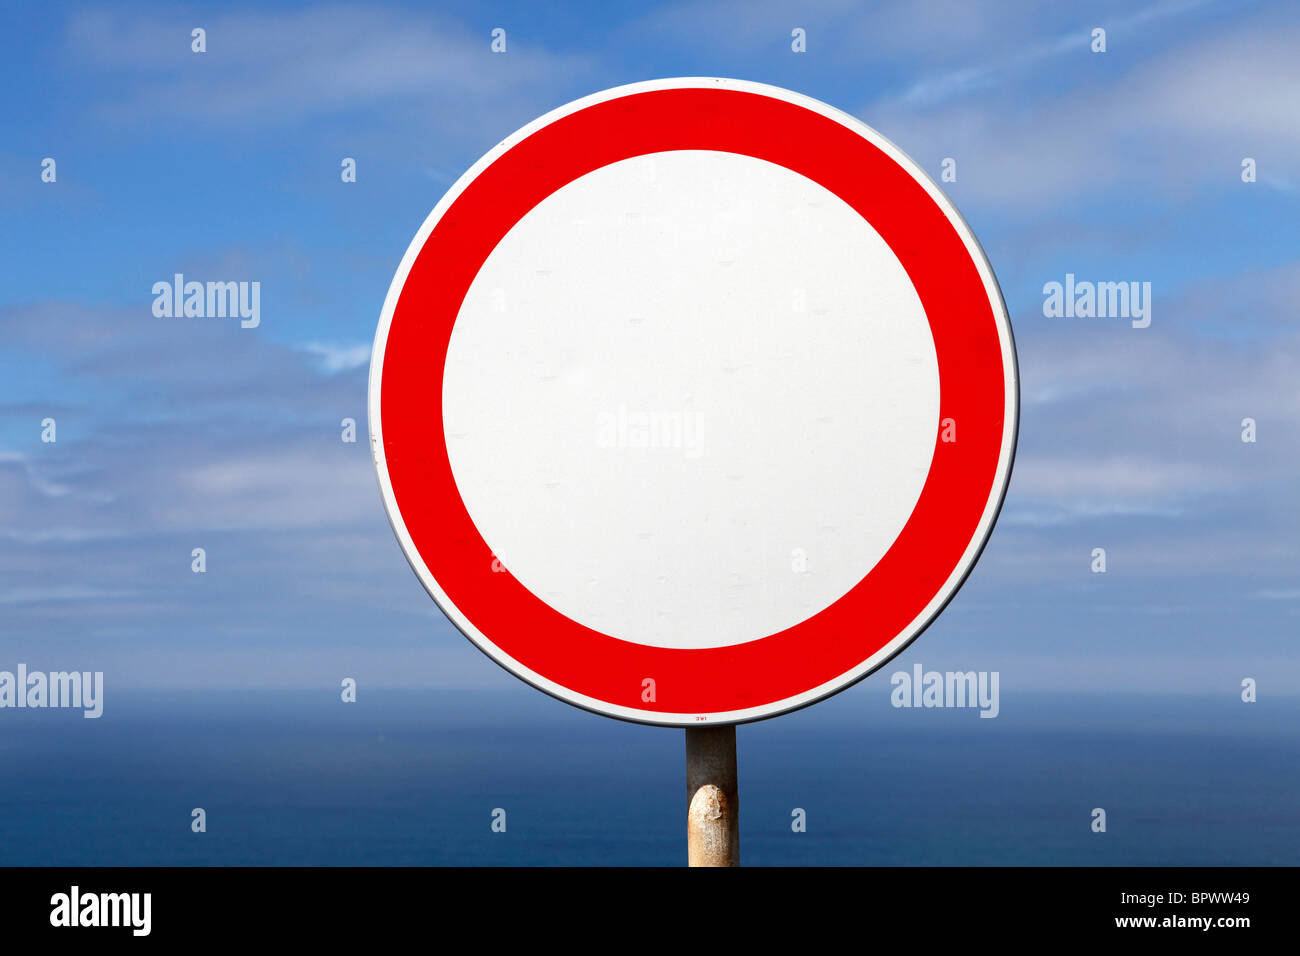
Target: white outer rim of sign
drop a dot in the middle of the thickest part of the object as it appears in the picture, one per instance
(1011, 421)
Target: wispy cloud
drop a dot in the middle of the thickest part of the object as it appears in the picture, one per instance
(60, 594)
(932, 91)
(1278, 594)
(267, 66)
(1171, 123)
(339, 358)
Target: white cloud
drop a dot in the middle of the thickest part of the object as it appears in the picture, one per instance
(339, 358)
(1120, 479)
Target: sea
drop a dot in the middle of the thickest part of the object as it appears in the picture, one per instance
(418, 778)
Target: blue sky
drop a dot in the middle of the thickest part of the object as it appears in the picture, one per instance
(176, 434)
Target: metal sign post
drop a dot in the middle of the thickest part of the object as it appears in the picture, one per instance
(712, 797)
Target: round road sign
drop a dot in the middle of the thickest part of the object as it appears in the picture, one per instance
(693, 401)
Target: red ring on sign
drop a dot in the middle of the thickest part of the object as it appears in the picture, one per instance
(972, 384)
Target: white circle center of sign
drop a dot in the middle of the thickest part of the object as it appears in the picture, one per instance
(691, 399)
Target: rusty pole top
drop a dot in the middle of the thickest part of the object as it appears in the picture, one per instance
(713, 797)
